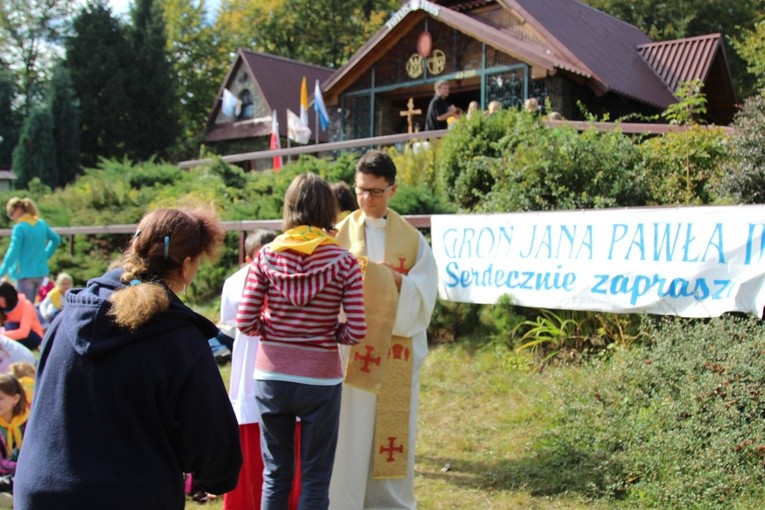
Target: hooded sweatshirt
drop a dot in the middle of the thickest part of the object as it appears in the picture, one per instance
(292, 299)
(119, 416)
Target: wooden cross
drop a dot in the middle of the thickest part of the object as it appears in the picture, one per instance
(409, 113)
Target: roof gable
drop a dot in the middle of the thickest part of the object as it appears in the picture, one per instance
(277, 81)
(414, 11)
(577, 39)
(695, 58)
(681, 60)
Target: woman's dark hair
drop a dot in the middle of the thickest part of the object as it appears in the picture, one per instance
(10, 294)
(164, 239)
(309, 201)
(11, 386)
(344, 196)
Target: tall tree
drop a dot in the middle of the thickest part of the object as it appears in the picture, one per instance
(35, 154)
(237, 22)
(751, 47)
(672, 19)
(97, 56)
(29, 33)
(198, 63)
(66, 126)
(153, 116)
(9, 120)
(324, 32)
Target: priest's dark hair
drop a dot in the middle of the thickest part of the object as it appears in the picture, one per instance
(377, 163)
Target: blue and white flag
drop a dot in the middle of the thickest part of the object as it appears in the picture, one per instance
(318, 105)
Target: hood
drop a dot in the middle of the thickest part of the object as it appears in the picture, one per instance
(85, 323)
(298, 277)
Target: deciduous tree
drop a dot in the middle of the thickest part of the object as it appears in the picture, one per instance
(673, 19)
(751, 47)
(29, 33)
(324, 32)
(198, 61)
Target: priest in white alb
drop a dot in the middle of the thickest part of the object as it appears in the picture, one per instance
(374, 460)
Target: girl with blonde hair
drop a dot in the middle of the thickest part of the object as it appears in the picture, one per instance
(32, 244)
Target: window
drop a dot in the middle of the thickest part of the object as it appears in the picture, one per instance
(247, 108)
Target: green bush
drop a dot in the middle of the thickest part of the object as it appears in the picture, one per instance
(685, 168)
(473, 137)
(744, 179)
(512, 162)
(673, 425)
(565, 169)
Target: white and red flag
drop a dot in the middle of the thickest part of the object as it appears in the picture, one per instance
(275, 145)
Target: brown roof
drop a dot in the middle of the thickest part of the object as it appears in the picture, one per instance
(279, 80)
(239, 130)
(605, 45)
(578, 39)
(681, 60)
(413, 12)
(696, 58)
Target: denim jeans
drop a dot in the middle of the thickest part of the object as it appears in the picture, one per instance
(318, 408)
(29, 287)
(31, 342)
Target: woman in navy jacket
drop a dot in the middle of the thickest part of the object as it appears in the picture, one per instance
(129, 397)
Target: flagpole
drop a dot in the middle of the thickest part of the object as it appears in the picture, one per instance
(289, 139)
(316, 118)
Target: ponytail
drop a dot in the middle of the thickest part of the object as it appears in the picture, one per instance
(164, 239)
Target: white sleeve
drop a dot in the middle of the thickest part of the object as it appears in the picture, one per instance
(418, 293)
(231, 295)
(47, 308)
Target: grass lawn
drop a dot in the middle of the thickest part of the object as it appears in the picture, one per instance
(479, 413)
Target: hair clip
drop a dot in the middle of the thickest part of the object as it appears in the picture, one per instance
(136, 233)
(135, 282)
(166, 249)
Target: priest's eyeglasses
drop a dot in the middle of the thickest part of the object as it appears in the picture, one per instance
(372, 192)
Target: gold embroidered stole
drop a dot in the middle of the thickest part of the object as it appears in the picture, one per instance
(383, 363)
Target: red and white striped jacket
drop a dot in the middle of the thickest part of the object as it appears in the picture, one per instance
(293, 300)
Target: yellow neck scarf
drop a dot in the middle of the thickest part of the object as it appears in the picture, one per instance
(303, 239)
(13, 437)
(29, 218)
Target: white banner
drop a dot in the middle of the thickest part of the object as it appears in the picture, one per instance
(689, 261)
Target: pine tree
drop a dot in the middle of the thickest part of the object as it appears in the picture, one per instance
(66, 126)
(35, 154)
(9, 121)
(153, 118)
(97, 56)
